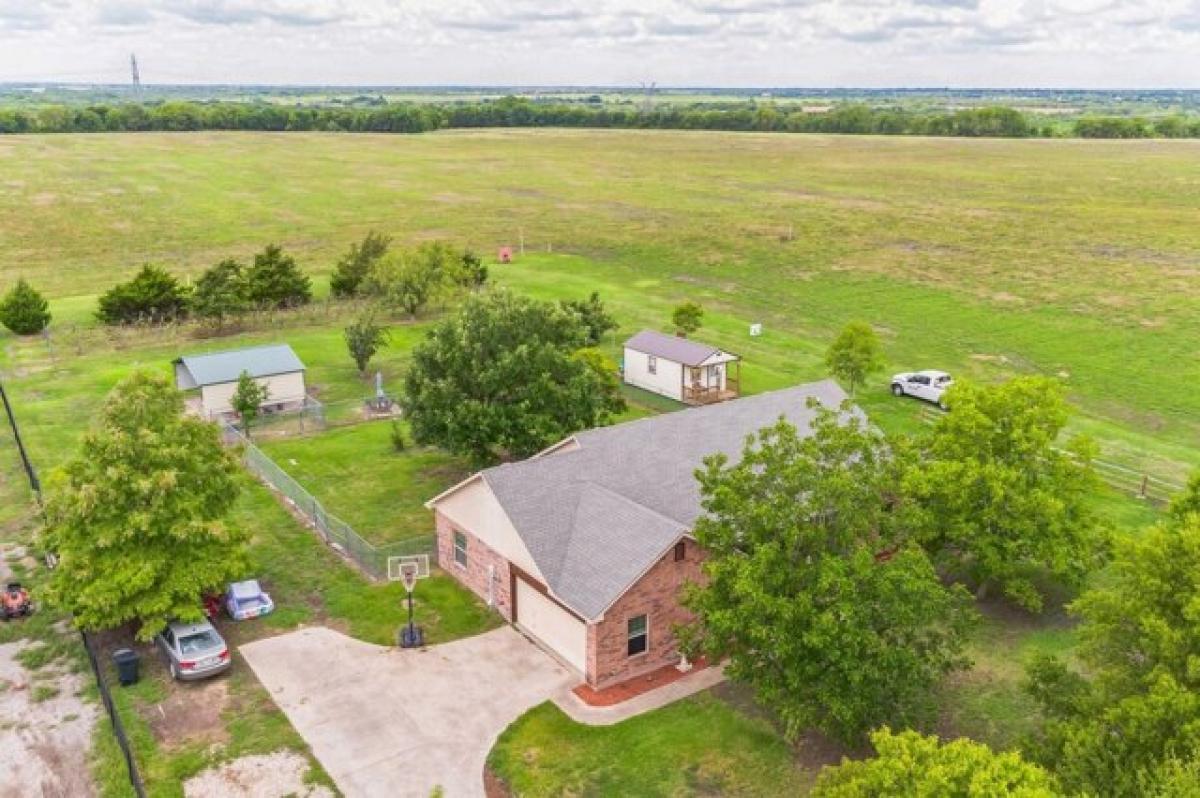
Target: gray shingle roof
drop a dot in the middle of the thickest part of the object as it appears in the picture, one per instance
(671, 347)
(596, 518)
(259, 361)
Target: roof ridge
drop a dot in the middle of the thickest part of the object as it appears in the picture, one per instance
(562, 558)
(237, 349)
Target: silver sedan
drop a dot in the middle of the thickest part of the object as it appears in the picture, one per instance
(193, 650)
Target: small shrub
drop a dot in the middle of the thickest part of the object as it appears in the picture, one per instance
(364, 338)
(23, 310)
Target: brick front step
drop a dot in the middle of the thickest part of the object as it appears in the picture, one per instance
(623, 691)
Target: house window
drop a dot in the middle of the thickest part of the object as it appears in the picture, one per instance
(460, 549)
(680, 551)
(639, 636)
(651, 364)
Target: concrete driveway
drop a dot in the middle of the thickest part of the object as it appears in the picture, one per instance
(387, 722)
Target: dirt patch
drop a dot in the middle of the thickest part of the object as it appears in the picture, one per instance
(260, 776)
(493, 785)
(44, 744)
(191, 713)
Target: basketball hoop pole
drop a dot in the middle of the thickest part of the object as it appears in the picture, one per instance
(410, 615)
(410, 635)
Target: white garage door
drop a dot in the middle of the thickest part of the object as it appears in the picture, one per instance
(556, 628)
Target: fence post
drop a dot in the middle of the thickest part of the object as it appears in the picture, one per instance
(1142, 491)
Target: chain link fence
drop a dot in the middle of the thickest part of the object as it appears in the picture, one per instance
(339, 535)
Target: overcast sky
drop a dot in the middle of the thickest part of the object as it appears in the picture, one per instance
(969, 43)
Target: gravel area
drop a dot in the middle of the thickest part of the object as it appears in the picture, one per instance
(44, 743)
(262, 776)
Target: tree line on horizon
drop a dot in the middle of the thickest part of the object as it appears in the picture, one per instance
(405, 117)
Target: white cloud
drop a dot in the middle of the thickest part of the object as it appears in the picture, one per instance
(693, 42)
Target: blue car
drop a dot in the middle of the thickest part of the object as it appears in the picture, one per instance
(245, 600)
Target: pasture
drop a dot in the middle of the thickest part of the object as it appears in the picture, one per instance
(989, 257)
(1076, 259)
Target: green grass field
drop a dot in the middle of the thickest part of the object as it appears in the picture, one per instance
(990, 258)
(698, 746)
(1076, 259)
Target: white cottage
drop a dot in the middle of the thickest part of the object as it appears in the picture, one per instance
(215, 376)
(681, 368)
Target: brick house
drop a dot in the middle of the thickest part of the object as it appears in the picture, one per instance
(586, 546)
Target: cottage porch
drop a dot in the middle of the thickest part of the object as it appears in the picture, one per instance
(716, 382)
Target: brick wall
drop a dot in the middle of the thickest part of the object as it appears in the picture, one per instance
(475, 575)
(657, 596)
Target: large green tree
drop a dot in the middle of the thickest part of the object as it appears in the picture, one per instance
(153, 295)
(221, 292)
(855, 354)
(275, 281)
(501, 379)
(405, 281)
(353, 267)
(1133, 704)
(910, 764)
(813, 590)
(1002, 502)
(595, 317)
(23, 310)
(137, 518)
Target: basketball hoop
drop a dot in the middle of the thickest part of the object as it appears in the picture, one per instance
(409, 573)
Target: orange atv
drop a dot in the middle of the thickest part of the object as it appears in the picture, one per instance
(15, 602)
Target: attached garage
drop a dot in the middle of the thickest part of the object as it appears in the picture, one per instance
(553, 626)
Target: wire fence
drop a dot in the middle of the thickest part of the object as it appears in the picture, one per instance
(370, 557)
(1136, 482)
(296, 418)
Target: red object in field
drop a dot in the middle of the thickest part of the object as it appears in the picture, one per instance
(505, 254)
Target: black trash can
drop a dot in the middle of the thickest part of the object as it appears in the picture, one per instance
(126, 660)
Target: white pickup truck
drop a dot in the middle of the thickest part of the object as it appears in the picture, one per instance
(927, 385)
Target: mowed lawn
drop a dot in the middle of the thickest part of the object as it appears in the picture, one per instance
(360, 477)
(697, 746)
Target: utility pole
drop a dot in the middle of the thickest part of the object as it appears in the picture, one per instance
(137, 79)
(647, 97)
